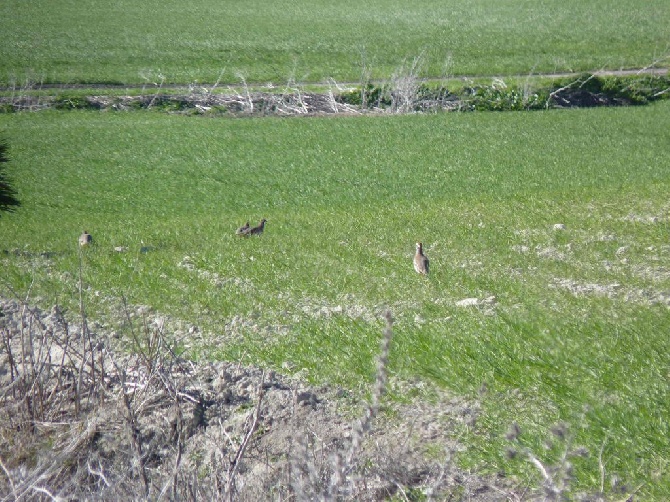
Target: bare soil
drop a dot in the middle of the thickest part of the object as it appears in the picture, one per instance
(82, 418)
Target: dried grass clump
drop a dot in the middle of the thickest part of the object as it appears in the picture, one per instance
(80, 419)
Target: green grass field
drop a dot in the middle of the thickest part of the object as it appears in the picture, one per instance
(572, 322)
(580, 319)
(64, 41)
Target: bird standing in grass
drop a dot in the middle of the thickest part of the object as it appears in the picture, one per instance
(420, 260)
(258, 230)
(243, 230)
(85, 239)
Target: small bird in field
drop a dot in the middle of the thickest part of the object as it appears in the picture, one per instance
(243, 230)
(258, 230)
(85, 239)
(420, 260)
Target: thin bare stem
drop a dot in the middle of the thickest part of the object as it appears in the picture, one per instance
(601, 466)
(230, 481)
(9, 476)
(343, 465)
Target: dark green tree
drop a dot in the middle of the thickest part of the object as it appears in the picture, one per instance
(8, 200)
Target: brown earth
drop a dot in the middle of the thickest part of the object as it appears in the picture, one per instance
(82, 418)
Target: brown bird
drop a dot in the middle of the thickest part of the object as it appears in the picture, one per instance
(243, 230)
(420, 260)
(258, 230)
(85, 239)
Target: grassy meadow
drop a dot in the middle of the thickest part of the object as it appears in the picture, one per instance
(577, 332)
(63, 41)
(553, 225)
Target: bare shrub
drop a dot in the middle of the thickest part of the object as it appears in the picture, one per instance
(557, 472)
(81, 419)
(405, 85)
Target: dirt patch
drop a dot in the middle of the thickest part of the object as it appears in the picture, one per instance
(613, 290)
(81, 418)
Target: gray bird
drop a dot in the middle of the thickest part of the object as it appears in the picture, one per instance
(420, 260)
(85, 239)
(243, 230)
(258, 230)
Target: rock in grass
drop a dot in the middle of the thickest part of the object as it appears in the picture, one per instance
(475, 302)
(468, 302)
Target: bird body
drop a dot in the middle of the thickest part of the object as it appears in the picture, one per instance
(420, 260)
(257, 230)
(85, 239)
(243, 230)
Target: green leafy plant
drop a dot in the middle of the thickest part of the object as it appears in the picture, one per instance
(72, 102)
